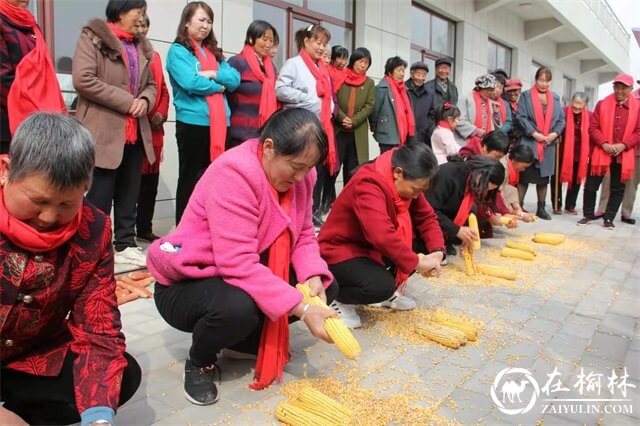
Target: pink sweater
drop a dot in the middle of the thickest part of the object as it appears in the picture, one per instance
(231, 219)
(443, 143)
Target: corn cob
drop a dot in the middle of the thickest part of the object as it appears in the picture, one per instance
(440, 334)
(467, 256)
(523, 247)
(473, 224)
(548, 238)
(339, 333)
(464, 326)
(505, 220)
(497, 271)
(518, 254)
(321, 405)
(295, 416)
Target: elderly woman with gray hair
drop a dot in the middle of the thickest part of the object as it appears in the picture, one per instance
(63, 354)
(476, 111)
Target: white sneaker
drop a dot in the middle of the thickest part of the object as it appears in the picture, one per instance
(397, 302)
(348, 314)
(131, 256)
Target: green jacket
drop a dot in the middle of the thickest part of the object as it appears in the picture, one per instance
(364, 102)
(383, 118)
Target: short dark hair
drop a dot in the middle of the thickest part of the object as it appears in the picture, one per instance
(544, 71)
(500, 72)
(521, 153)
(443, 113)
(483, 171)
(293, 130)
(339, 52)
(359, 53)
(496, 140)
(393, 63)
(115, 8)
(146, 20)
(316, 31)
(500, 78)
(257, 29)
(416, 160)
(182, 34)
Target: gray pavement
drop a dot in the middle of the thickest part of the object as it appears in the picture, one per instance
(576, 306)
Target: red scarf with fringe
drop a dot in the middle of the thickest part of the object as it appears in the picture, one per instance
(131, 123)
(323, 90)
(566, 174)
(600, 160)
(157, 136)
(337, 77)
(354, 79)
(273, 353)
(384, 167)
(477, 100)
(35, 86)
(268, 100)
(543, 121)
(215, 102)
(404, 113)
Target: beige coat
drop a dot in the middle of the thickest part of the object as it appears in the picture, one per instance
(101, 79)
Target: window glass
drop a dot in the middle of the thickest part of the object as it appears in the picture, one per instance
(33, 8)
(567, 91)
(298, 23)
(590, 92)
(278, 18)
(420, 27)
(442, 36)
(493, 55)
(339, 9)
(340, 36)
(499, 56)
(534, 68)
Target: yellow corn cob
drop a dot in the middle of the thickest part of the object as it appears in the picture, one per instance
(548, 238)
(523, 247)
(446, 336)
(534, 218)
(473, 224)
(295, 416)
(467, 257)
(464, 326)
(518, 254)
(339, 333)
(497, 271)
(321, 405)
(505, 220)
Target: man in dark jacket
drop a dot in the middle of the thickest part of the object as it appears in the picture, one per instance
(442, 88)
(421, 101)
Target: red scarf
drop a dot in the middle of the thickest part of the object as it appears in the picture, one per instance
(503, 110)
(514, 176)
(444, 124)
(600, 160)
(131, 123)
(273, 353)
(405, 229)
(514, 106)
(28, 238)
(157, 136)
(323, 90)
(268, 100)
(35, 86)
(404, 112)
(215, 102)
(337, 77)
(566, 174)
(477, 100)
(465, 206)
(354, 79)
(543, 121)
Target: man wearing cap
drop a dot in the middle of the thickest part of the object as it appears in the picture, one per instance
(615, 133)
(442, 88)
(421, 101)
(477, 110)
(512, 95)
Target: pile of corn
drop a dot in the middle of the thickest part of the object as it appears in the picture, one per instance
(472, 269)
(335, 328)
(449, 330)
(132, 286)
(312, 407)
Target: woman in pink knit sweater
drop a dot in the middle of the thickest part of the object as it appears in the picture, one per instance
(227, 272)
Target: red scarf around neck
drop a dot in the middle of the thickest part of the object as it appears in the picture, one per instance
(600, 160)
(444, 124)
(384, 167)
(268, 100)
(131, 123)
(514, 106)
(215, 102)
(514, 176)
(273, 353)
(543, 121)
(354, 79)
(566, 174)
(35, 86)
(465, 206)
(477, 100)
(503, 110)
(323, 90)
(337, 77)
(30, 239)
(404, 112)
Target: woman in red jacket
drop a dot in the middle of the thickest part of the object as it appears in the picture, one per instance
(368, 238)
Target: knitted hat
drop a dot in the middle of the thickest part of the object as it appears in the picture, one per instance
(487, 81)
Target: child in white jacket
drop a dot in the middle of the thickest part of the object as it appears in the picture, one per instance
(443, 141)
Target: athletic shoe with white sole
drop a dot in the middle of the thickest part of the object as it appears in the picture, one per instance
(397, 302)
(131, 256)
(348, 314)
(199, 386)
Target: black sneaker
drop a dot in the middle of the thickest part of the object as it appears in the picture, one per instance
(585, 221)
(451, 251)
(199, 386)
(629, 220)
(609, 224)
(317, 219)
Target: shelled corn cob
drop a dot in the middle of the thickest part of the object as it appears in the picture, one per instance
(339, 333)
(497, 271)
(467, 257)
(515, 253)
(473, 224)
(548, 238)
(456, 322)
(444, 335)
(522, 247)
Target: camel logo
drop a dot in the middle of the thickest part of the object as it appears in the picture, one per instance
(512, 390)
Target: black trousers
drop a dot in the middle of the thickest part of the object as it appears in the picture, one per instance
(572, 192)
(218, 314)
(4, 147)
(591, 187)
(147, 203)
(324, 192)
(384, 147)
(120, 186)
(347, 153)
(44, 400)
(193, 160)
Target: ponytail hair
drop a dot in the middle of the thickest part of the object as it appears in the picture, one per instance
(445, 111)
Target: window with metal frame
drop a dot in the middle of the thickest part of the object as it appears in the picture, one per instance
(499, 56)
(432, 36)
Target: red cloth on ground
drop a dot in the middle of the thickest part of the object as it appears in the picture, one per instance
(268, 100)
(543, 121)
(404, 113)
(566, 173)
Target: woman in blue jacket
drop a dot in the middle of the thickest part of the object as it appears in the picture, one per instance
(199, 77)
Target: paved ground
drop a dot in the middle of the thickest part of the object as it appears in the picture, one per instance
(575, 306)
